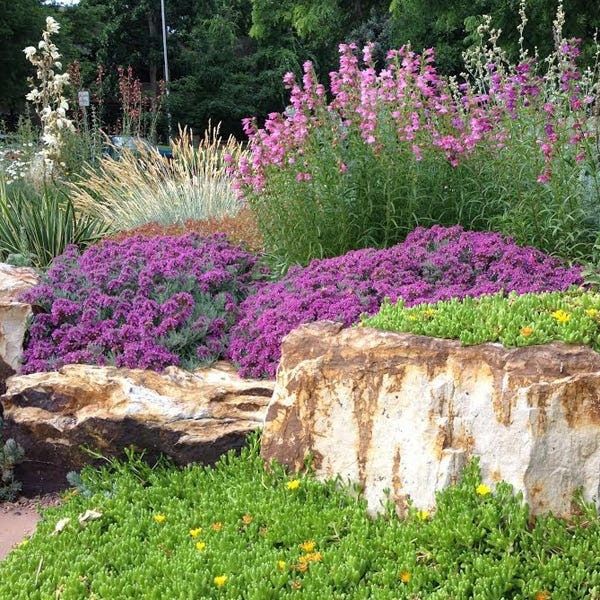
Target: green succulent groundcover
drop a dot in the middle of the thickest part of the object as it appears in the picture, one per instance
(572, 317)
(240, 531)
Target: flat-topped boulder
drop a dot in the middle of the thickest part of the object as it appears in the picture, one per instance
(189, 416)
(14, 315)
(402, 414)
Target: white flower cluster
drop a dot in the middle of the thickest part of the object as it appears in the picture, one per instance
(15, 163)
(47, 94)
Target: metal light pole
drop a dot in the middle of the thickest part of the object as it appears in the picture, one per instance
(166, 60)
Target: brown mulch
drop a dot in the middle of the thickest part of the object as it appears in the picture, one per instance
(240, 229)
(19, 519)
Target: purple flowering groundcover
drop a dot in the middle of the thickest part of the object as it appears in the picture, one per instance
(140, 303)
(430, 265)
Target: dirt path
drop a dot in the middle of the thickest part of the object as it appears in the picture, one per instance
(19, 519)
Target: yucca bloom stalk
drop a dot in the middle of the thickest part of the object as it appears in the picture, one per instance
(48, 95)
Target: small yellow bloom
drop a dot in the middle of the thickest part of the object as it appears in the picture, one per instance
(423, 515)
(281, 565)
(302, 567)
(313, 557)
(542, 595)
(160, 518)
(526, 331)
(561, 316)
(308, 546)
(296, 585)
(483, 490)
(592, 312)
(220, 580)
(247, 519)
(405, 576)
(293, 485)
(195, 532)
(201, 546)
(429, 312)
(217, 526)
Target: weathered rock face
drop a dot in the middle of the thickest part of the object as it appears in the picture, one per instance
(405, 413)
(13, 316)
(187, 416)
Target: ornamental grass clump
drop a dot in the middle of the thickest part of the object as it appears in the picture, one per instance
(141, 303)
(430, 265)
(506, 147)
(142, 187)
(571, 317)
(139, 533)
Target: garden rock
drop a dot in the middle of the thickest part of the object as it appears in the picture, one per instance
(13, 316)
(189, 416)
(401, 414)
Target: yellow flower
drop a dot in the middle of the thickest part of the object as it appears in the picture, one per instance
(313, 557)
(195, 532)
(308, 546)
(247, 519)
(542, 595)
(483, 490)
(281, 565)
(429, 312)
(561, 316)
(405, 576)
(526, 331)
(592, 312)
(302, 567)
(423, 515)
(293, 485)
(201, 546)
(220, 580)
(296, 585)
(217, 526)
(160, 518)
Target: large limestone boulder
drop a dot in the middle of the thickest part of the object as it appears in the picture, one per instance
(404, 413)
(13, 316)
(188, 416)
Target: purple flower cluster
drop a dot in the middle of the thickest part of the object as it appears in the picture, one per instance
(430, 265)
(140, 303)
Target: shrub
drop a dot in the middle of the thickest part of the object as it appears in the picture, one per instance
(11, 454)
(238, 531)
(511, 149)
(512, 320)
(36, 226)
(240, 229)
(430, 265)
(143, 187)
(140, 303)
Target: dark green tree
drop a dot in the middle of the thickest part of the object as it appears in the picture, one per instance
(20, 26)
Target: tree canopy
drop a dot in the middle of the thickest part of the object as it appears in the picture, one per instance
(227, 57)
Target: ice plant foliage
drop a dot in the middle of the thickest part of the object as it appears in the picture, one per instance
(505, 146)
(571, 317)
(48, 95)
(430, 265)
(318, 543)
(144, 302)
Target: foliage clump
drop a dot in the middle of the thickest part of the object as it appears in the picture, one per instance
(140, 303)
(571, 317)
(237, 530)
(430, 265)
(509, 147)
(11, 454)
